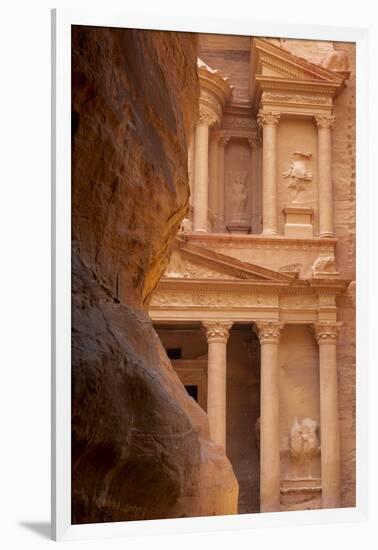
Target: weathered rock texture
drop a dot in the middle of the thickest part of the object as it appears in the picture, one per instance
(140, 444)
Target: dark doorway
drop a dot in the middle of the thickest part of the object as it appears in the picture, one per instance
(243, 410)
(192, 391)
(174, 353)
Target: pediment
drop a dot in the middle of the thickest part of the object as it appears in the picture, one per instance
(272, 66)
(189, 261)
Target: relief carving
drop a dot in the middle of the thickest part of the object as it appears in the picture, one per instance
(238, 122)
(303, 441)
(210, 299)
(324, 264)
(238, 183)
(298, 174)
(295, 98)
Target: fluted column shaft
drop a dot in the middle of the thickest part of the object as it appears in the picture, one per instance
(325, 125)
(269, 335)
(269, 122)
(326, 336)
(217, 334)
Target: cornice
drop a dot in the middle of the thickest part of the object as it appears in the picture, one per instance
(257, 239)
(297, 287)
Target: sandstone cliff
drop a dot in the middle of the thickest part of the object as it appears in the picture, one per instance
(140, 445)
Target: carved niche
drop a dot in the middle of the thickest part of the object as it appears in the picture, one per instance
(238, 181)
(299, 173)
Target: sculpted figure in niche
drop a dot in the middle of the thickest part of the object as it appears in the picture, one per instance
(304, 443)
(298, 173)
(238, 181)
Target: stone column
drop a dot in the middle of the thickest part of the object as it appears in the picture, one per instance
(221, 188)
(217, 334)
(191, 168)
(269, 336)
(268, 122)
(201, 171)
(254, 143)
(325, 124)
(326, 335)
(214, 187)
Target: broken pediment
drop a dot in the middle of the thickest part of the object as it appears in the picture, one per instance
(189, 261)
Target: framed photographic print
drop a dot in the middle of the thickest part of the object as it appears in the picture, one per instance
(206, 192)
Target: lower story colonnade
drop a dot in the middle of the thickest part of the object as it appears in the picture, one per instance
(293, 330)
(269, 332)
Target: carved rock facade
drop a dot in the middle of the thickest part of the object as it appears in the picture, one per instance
(273, 256)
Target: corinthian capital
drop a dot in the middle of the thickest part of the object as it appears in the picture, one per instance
(267, 118)
(325, 122)
(326, 332)
(207, 117)
(269, 332)
(217, 331)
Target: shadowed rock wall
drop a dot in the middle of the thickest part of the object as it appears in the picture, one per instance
(140, 444)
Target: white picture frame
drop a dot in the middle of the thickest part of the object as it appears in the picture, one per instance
(62, 20)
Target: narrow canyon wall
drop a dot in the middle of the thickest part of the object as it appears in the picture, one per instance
(140, 444)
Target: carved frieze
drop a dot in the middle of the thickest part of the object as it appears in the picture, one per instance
(296, 98)
(235, 122)
(212, 299)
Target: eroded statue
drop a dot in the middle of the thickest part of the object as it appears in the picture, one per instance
(298, 173)
(303, 441)
(238, 181)
(324, 264)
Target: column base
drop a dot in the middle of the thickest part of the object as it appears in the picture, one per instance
(239, 228)
(326, 234)
(269, 232)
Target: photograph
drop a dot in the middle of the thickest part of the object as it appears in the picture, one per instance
(213, 274)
